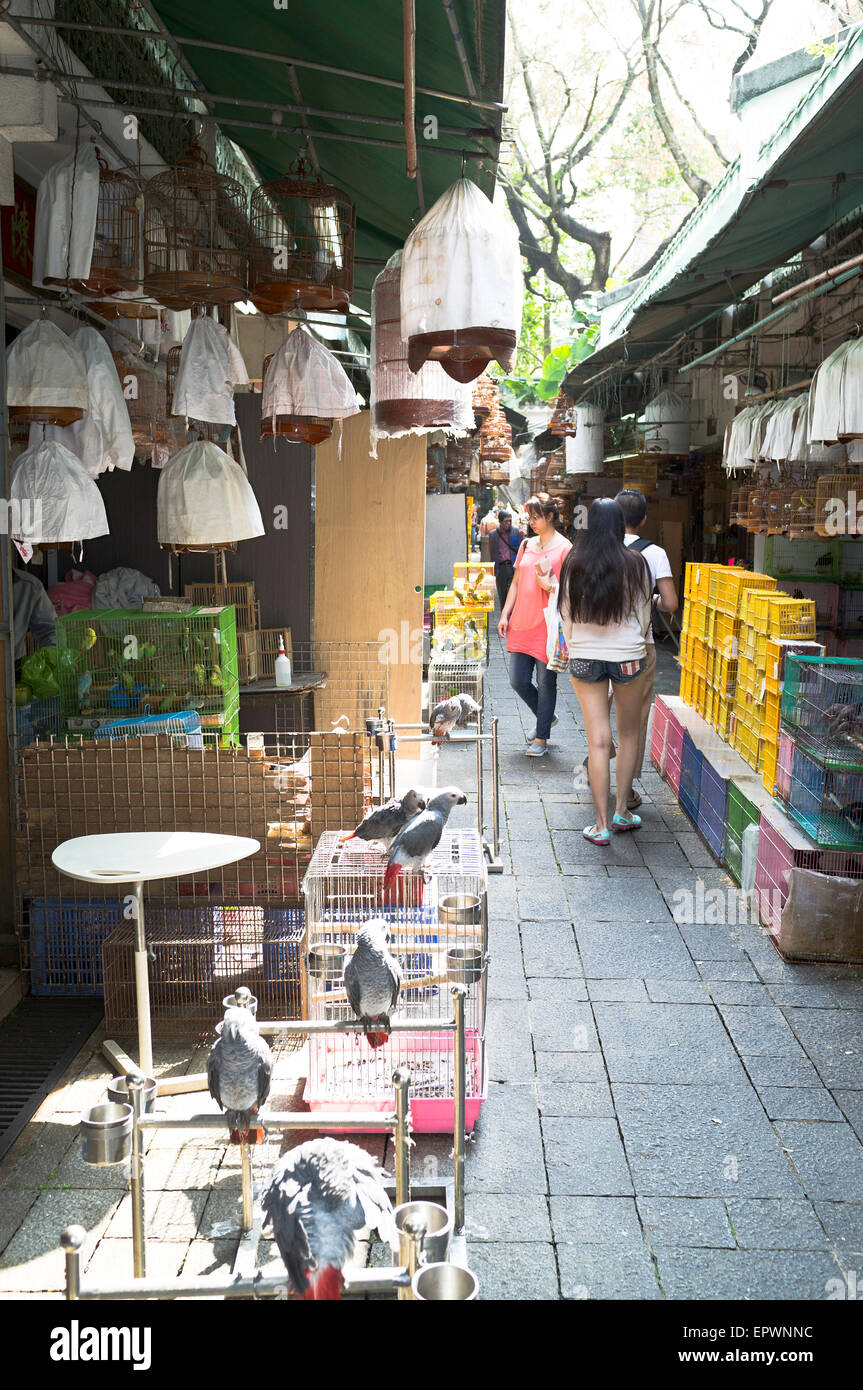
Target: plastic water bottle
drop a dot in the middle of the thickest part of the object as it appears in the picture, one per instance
(283, 666)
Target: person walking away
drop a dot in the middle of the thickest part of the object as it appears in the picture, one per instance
(486, 526)
(605, 609)
(503, 546)
(634, 506)
(522, 621)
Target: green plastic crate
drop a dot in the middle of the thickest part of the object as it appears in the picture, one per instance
(807, 557)
(121, 663)
(740, 813)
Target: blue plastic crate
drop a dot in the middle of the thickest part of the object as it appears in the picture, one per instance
(185, 723)
(690, 778)
(66, 945)
(826, 802)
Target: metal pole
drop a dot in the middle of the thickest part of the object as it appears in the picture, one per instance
(459, 994)
(135, 1083)
(495, 778)
(248, 1198)
(410, 1247)
(71, 1240)
(392, 756)
(289, 1120)
(479, 798)
(142, 986)
(402, 1081)
(359, 1281)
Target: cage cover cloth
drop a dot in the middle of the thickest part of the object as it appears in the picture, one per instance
(102, 438)
(45, 368)
(461, 275)
(304, 378)
(666, 421)
(405, 402)
(583, 451)
(58, 499)
(205, 499)
(65, 223)
(211, 365)
(836, 395)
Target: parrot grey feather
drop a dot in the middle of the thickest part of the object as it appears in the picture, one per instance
(239, 1068)
(421, 836)
(385, 822)
(373, 978)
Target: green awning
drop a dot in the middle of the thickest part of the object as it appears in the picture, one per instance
(807, 175)
(363, 38)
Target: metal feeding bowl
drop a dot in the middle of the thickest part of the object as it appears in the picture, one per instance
(241, 1000)
(118, 1092)
(106, 1131)
(460, 909)
(444, 1283)
(436, 1222)
(326, 960)
(464, 965)
(386, 740)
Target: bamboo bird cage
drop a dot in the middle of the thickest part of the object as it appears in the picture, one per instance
(195, 235)
(302, 244)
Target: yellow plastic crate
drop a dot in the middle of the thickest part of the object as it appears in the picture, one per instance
(687, 676)
(771, 706)
(754, 607)
(724, 716)
(443, 598)
(724, 674)
(701, 689)
(726, 634)
(699, 659)
(791, 617)
(698, 578)
(768, 768)
(728, 587)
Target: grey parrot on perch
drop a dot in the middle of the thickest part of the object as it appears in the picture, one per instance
(385, 822)
(320, 1194)
(454, 713)
(373, 980)
(239, 1072)
(420, 837)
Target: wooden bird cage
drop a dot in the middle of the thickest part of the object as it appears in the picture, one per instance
(195, 235)
(733, 507)
(779, 503)
(756, 516)
(302, 244)
(640, 473)
(145, 400)
(802, 517)
(563, 421)
(836, 499)
(740, 515)
(114, 263)
(486, 396)
(303, 429)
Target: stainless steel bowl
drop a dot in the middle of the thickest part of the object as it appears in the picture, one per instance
(326, 961)
(437, 1223)
(444, 1283)
(464, 965)
(106, 1131)
(459, 909)
(118, 1092)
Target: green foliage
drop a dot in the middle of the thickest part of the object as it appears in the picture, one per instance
(543, 386)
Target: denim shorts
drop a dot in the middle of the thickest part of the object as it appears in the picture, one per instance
(619, 673)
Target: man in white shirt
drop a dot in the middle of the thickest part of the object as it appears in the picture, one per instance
(634, 506)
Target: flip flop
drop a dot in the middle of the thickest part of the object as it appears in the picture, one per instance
(596, 837)
(621, 823)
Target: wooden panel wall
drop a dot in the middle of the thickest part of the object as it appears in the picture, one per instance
(369, 550)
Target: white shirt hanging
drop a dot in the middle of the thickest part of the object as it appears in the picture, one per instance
(102, 438)
(57, 499)
(205, 498)
(210, 366)
(64, 216)
(305, 378)
(45, 368)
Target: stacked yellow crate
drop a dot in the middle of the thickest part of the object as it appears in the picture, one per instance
(696, 646)
(767, 618)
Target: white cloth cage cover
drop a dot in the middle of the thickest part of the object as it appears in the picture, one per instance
(64, 230)
(666, 424)
(211, 365)
(56, 498)
(304, 378)
(583, 451)
(102, 438)
(405, 402)
(836, 395)
(461, 269)
(205, 498)
(45, 368)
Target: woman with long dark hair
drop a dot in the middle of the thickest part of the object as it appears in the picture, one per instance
(522, 620)
(605, 607)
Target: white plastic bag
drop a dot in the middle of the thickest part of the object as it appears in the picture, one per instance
(557, 658)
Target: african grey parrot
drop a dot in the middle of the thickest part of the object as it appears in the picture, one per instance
(373, 979)
(420, 837)
(385, 822)
(454, 713)
(320, 1194)
(239, 1071)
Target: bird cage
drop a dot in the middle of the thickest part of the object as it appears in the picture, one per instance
(462, 287)
(733, 507)
(584, 451)
(459, 457)
(555, 465)
(740, 516)
(305, 389)
(205, 501)
(640, 474)
(495, 438)
(563, 420)
(46, 376)
(779, 502)
(665, 424)
(302, 244)
(402, 401)
(55, 502)
(195, 235)
(438, 922)
(145, 400)
(176, 426)
(802, 516)
(448, 677)
(115, 258)
(756, 515)
(485, 395)
(837, 496)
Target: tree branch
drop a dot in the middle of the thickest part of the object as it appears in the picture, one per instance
(711, 139)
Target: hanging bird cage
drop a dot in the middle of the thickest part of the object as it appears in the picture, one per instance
(802, 519)
(195, 235)
(584, 452)
(459, 457)
(145, 401)
(665, 424)
(402, 401)
(740, 517)
(485, 396)
(462, 287)
(70, 507)
(756, 517)
(555, 466)
(205, 501)
(46, 376)
(202, 429)
(123, 309)
(563, 421)
(305, 389)
(302, 244)
(779, 504)
(114, 262)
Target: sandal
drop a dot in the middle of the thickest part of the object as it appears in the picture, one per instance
(596, 837)
(621, 822)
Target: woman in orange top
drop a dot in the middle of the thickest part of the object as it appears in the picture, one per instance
(522, 621)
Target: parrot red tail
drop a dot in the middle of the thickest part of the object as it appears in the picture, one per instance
(391, 882)
(377, 1039)
(327, 1285)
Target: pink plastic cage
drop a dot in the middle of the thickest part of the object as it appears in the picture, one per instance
(784, 763)
(674, 752)
(658, 733)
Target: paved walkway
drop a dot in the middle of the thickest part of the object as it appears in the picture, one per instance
(673, 1111)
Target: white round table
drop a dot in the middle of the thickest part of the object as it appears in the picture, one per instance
(136, 858)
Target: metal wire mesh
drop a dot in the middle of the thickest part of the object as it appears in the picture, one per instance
(822, 705)
(439, 916)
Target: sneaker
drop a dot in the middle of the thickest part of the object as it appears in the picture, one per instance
(537, 749)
